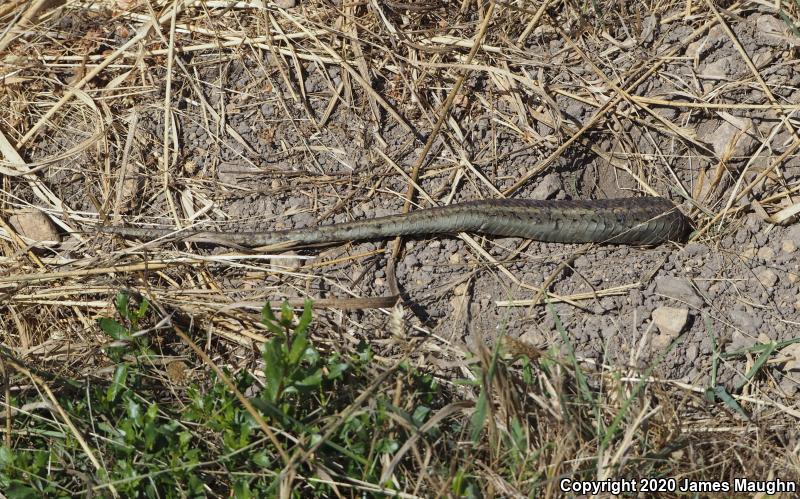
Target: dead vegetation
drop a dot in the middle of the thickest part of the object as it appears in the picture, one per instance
(238, 115)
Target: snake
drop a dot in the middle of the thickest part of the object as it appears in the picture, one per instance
(638, 221)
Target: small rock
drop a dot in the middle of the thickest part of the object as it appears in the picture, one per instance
(695, 249)
(454, 259)
(35, 225)
(678, 289)
(793, 351)
(767, 278)
(766, 253)
(548, 186)
(729, 140)
(749, 252)
(788, 246)
(670, 321)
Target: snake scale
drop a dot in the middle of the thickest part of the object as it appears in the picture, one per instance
(644, 221)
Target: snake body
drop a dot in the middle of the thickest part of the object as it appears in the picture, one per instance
(636, 221)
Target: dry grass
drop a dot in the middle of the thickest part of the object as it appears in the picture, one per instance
(95, 98)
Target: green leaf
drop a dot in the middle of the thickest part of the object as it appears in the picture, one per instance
(273, 368)
(22, 492)
(121, 301)
(769, 348)
(269, 320)
(299, 345)
(6, 456)
(305, 319)
(267, 408)
(241, 489)
(420, 415)
(114, 329)
(152, 412)
(184, 438)
(150, 435)
(261, 459)
(134, 410)
(518, 435)
(478, 419)
(726, 399)
(336, 369)
(287, 315)
(117, 382)
(314, 379)
(143, 307)
(267, 314)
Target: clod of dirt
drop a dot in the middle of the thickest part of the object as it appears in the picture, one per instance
(678, 289)
(35, 225)
(773, 31)
(767, 277)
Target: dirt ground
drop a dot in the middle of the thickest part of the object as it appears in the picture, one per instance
(326, 122)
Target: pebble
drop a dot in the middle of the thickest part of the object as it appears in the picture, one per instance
(34, 224)
(766, 253)
(788, 246)
(547, 187)
(695, 249)
(678, 289)
(670, 321)
(767, 278)
(749, 252)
